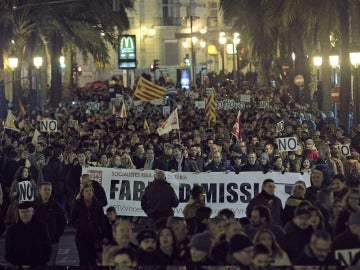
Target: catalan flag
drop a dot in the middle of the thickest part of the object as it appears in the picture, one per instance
(236, 130)
(210, 111)
(146, 126)
(123, 113)
(148, 91)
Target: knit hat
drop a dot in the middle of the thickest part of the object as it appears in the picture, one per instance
(25, 205)
(201, 241)
(237, 149)
(145, 234)
(239, 242)
(354, 219)
(301, 212)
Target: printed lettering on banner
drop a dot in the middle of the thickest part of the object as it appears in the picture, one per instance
(208, 91)
(245, 98)
(346, 256)
(26, 191)
(239, 105)
(48, 125)
(124, 188)
(287, 144)
(137, 103)
(280, 126)
(345, 149)
(158, 101)
(229, 104)
(73, 123)
(219, 104)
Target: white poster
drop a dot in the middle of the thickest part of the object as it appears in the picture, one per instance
(124, 188)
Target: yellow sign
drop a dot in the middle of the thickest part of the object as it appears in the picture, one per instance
(182, 64)
(212, 49)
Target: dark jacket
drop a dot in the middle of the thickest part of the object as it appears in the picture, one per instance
(191, 207)
(290, 205)
(88, 221)
(54, 172)
(307, 257)
(52, 215)
(99, 193)
(252, 168)
(187, 165)
(149, 258)
(28, 244)
(273, 202)
(222, 167)
(158, 199)
(346, 240)
(296, 239)
(162, 162)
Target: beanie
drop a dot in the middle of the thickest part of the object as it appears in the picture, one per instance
(239, 242)
(201, 241)
(145, 234)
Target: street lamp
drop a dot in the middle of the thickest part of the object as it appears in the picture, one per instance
(222, 41)
(236, 41)
(334, 61)
(317, 60)
(13, 64)
(293, 57)
(38, 61)
(355, 61)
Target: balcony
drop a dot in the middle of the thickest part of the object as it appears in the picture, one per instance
(170, 21)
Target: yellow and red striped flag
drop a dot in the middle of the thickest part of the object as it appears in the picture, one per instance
(148, 91)
(210, 110)
(236, 130)
(123, 113)
(146, 126)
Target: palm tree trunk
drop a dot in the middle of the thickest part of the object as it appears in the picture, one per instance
(56, 43)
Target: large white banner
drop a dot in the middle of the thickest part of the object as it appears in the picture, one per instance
(124, 188)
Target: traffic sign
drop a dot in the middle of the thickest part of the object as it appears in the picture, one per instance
(299, 80)
(285, 67)
(335, 94)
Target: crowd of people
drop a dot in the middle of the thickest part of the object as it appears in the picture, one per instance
(43, 188)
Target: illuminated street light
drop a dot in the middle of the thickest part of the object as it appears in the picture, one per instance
(38, 62)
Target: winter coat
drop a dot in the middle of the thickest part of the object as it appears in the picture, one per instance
(187, 165)
(191, 207)
(28, 244)
(306, 257)
(54, 172)
(52, 215)
(158, 200)
(222, 167)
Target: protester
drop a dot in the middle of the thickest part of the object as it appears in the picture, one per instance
(147, 253)
(241, 251)
(196, 201)
(49, 212)
(27, 243)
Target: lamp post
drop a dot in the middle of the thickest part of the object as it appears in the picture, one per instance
(334, 61)
(293, 57)
(38, 61)
(355, 61)
(13, 64)
(236, 41)
(222, 41)
(317, 60)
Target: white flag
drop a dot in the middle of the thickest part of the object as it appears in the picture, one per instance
(172, 122)
(10, 121)
(35, 136)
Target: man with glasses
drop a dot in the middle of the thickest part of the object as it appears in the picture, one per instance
(267, 197)
(318, 252)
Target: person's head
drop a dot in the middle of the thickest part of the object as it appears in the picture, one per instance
(177, 152)
(85, 178)
(316, 218)
(39, 159)
(178, 226)
(268, 186)
(233, 227)
(241, 249)
(306, 164)
(264, 159)
(159, 175)
(260, 215)
(26, 212)
(216, 157)
(299, 189)
(267, 238)
(22, 173)
(227, 213)
(124, 258)
(87, 191)
(352, 199)
(317, 178)
(339, 183)
(338, 206)
(111, 213)
(354, 223)
(269, 148)
(200, 245)
(166, 238)
(325, 197)
(168, 149)
(261, 258)
(149, 154)
(302, 218)
(216, 226)
(147, 240)
(320, 244)
(115, 161)
(45, 190)
(197, 192)
(122, 231)
(251, 157)
(309, 144)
